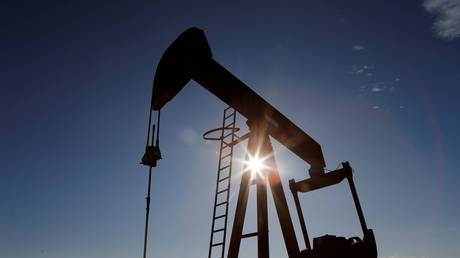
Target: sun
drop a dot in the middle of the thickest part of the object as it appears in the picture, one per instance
(255, 164)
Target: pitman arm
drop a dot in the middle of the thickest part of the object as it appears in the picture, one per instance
(189, 57)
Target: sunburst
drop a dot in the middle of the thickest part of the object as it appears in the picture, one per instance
(255, 165)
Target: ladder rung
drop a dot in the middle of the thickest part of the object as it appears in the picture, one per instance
(229, 116)
(219, 217)
(225, 178)
(225, 190)
(221, 229)
(227, 145)
(227, 109)
(216, 244)
(249, 235)
(229, 126)
(222, 203)
(226, 156)
(224, 167)
(225, 136)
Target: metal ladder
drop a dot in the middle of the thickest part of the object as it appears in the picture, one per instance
(224, 176)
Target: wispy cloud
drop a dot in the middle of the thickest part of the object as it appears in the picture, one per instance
(380, 86)
(378, 90)
(358, 47)
(447, 17)
(358, 70)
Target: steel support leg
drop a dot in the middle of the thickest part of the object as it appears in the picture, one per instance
(240, 213)
(262, 219)
(279, 198)
(259, 145)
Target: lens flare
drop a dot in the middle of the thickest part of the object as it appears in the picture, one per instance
(255, 164)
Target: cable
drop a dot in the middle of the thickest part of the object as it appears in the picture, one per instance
(150, 122)
(158, 129)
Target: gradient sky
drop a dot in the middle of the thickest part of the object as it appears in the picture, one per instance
(374, 82)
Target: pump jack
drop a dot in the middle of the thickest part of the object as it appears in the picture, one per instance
(189, 57)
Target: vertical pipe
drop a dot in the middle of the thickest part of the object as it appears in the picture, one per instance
(300, 214)
(158, 130)
(147, 213)
(358, 206)
(262, 218)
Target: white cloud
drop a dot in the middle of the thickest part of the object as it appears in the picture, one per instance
(358, 70)
(358, 47)
(379, 86)
(447, 17)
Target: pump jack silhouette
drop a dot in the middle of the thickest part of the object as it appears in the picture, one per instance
(189, 57)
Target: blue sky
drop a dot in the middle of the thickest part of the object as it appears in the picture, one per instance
(375, 83)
